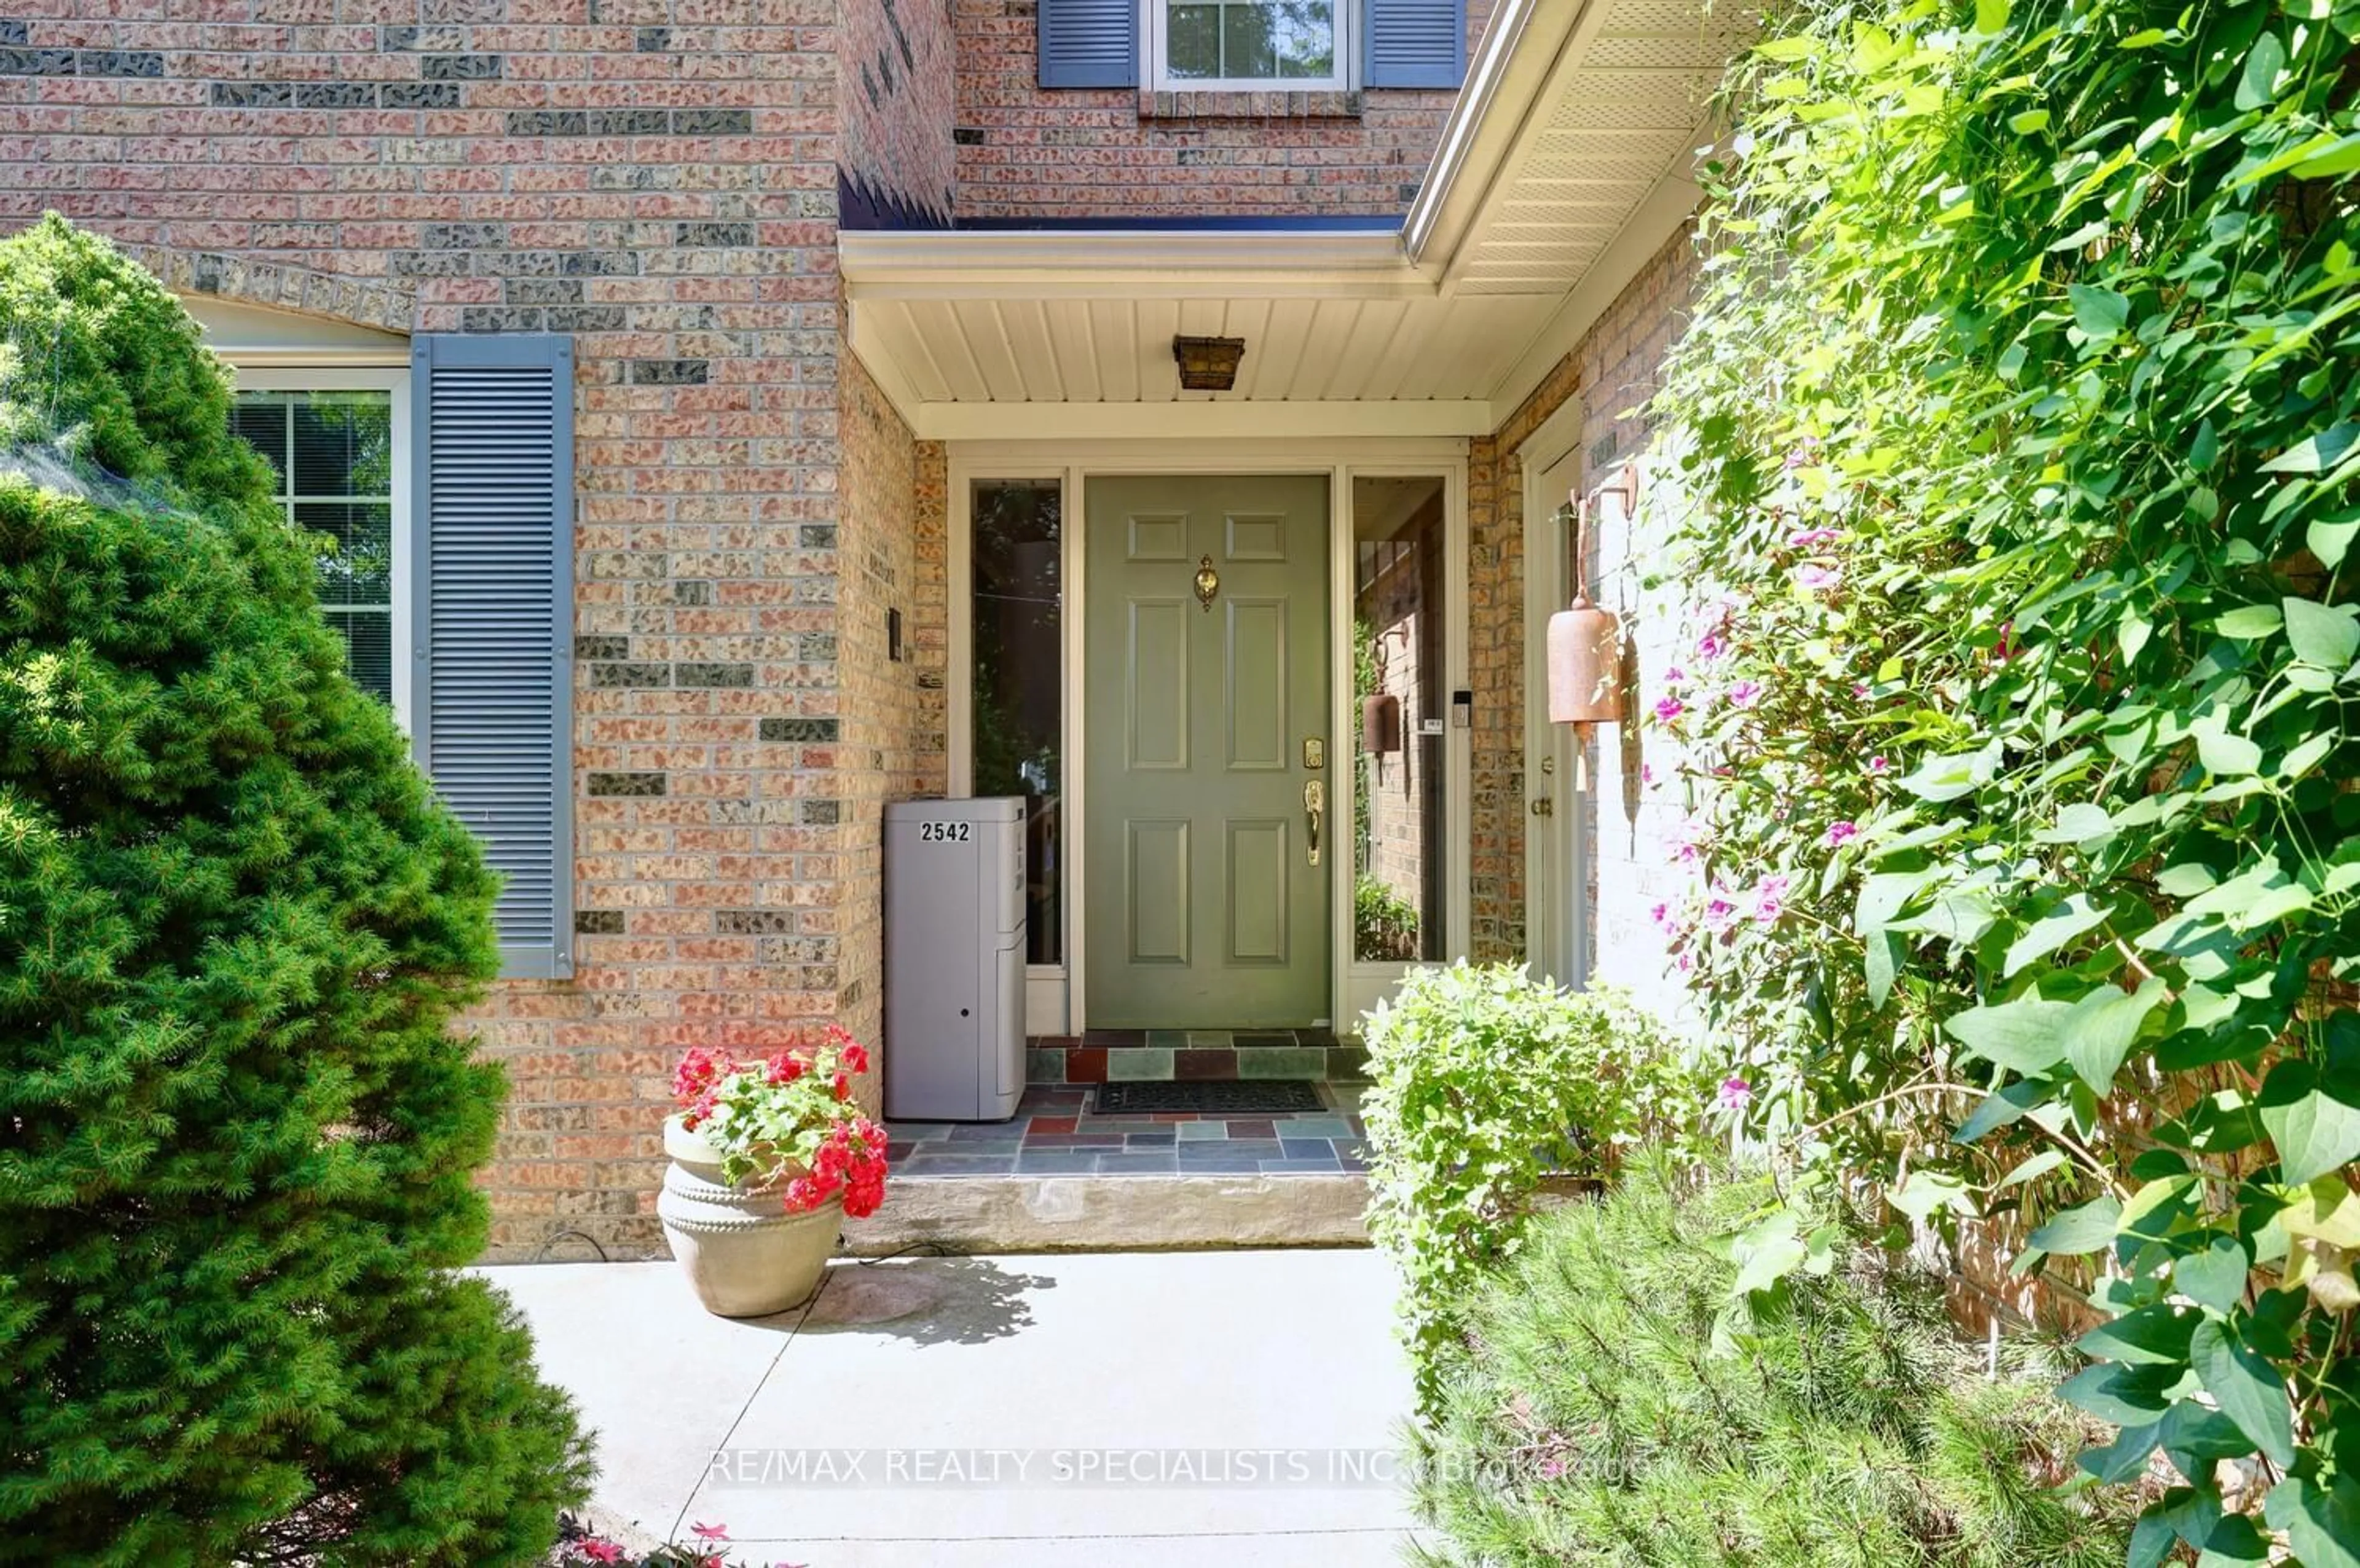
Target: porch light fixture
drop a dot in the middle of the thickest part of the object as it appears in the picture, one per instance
(1208, 364)
(1585, 641)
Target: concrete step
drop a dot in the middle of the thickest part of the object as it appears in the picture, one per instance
(1091, 1213)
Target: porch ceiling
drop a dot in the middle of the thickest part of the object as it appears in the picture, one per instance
(1562, 170)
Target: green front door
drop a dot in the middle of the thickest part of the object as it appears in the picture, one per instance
(1205, 893)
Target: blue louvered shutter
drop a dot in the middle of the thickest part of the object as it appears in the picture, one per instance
(492, 595)
(1415, 43)
(1090, 43)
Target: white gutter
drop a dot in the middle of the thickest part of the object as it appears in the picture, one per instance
(1522, 45)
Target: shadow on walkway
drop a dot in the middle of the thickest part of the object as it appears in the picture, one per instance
(925, 1300)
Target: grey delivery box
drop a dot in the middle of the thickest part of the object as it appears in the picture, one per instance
(954, 959)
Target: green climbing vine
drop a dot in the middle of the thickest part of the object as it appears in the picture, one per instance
(2018, 427)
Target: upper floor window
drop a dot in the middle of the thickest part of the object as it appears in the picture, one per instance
(1253, 46)
(1250, 44)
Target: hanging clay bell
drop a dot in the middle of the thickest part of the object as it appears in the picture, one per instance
(1585, 665)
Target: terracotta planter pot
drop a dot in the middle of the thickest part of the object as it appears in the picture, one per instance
(745, 1255)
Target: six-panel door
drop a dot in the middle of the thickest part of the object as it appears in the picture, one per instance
(1204, 905)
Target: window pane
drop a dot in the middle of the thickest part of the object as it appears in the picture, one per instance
(1398, 814)
(1302, 37)
(343, 444)
(335, 450)
(368, 647)
(1245, 42)
(1191, 45)
(1249, 40)
(260, 420)
(1019, 683)
(360, 572)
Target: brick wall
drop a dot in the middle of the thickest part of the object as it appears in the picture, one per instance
(1024, 153)
(893, 744)
(895, 81)
(657, 178)
(1613, 371)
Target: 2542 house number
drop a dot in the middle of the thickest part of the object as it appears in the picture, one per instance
(945, 833)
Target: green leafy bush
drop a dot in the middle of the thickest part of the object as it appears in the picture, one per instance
(234, 927)
(2022, 426)
(1615, 1409)
(1385, 924)
(1484, 1082)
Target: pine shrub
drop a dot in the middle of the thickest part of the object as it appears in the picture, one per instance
(1609, 1410)
(235, 1132)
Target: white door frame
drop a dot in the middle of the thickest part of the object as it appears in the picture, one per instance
(1556, 880)
(1053, 992)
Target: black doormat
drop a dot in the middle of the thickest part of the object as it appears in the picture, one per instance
(1212, 1096)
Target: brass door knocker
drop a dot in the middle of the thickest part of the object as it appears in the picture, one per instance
(1209, 583)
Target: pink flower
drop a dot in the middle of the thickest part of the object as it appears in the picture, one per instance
(1675, 676)
(1736, 1093)
(1811, 538)
(1746, 693)
(1684, 964)
(599, 1550)
(1837, 833)
(1769, 899)
(1661, 914)
(1813, 578)
(1720, 910)
(1668, 710)
(1711, 647)
(1647, 773)
(709, 1531)
(1860, 689)
(1552, 1467)
(1878, 764)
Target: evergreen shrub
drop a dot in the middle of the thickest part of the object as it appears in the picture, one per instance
(1612, 1408)
(235, 1132)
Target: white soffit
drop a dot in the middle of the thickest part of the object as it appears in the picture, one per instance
(1562, 170)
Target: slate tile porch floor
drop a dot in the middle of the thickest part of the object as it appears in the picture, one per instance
(1057, 1131)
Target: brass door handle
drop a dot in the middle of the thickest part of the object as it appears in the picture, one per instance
(1314, 807)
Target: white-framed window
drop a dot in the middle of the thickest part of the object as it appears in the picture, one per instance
(1249, 46)
(338, 443)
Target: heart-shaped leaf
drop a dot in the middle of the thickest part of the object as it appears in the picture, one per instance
(2024, 1035)
(2083, 1228)
(2215, 1277)
(2101, 1028)
(2321, 635)
(2315, 1124)
(2101, 313)
(2154, 1335)
(2246, 1388)
(2321, 1523)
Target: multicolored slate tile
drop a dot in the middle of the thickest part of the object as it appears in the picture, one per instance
(1058, 1131)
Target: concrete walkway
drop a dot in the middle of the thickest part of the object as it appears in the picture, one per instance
(1120, 1410)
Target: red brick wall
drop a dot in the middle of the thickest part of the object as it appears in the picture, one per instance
(1612, 370)
(894, 79)
(894, 743)
(1026, 153)
(659, 179)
